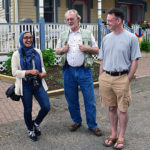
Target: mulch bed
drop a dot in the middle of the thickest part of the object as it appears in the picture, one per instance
(54, 76)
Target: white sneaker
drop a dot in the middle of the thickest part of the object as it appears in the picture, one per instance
(37, 129)
(32, 135)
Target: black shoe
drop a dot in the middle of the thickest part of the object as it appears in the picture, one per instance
(37, 129)
(32, 136)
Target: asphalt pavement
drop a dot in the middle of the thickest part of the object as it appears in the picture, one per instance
(56, 135)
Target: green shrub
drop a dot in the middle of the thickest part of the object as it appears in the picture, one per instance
(7, 64)
(48, 57)
(143, 26)
(145, 46)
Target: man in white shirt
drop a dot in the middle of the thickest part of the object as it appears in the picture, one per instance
(76, 47)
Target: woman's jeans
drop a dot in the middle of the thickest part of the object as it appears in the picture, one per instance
(41, 96)
(74, 77)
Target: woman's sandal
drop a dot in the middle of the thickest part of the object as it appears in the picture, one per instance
(110, 141)
(119, 142)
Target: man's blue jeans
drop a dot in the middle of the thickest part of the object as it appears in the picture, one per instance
(72, 78)
(43, 100)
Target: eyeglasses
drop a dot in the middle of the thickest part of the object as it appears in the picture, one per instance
(28, 38)
(71, 19)
(112, 20)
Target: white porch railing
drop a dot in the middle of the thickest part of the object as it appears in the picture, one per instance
(146, 32)
(53, 31)
(135, 28)
(9, 35)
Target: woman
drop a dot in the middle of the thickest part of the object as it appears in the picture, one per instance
(28, 68)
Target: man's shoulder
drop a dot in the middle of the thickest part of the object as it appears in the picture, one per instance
(107, 36)
(131, 35)
(86, 33)
(64, 34)
(128, 33)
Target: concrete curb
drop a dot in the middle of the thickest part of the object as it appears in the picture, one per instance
(11, 79)
(7, 78)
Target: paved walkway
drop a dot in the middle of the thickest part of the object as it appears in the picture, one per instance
(11, 111)
(56, 136)
(143, 66)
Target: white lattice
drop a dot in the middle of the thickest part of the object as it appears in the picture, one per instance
(2, 68)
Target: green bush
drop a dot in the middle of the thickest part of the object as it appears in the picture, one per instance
(7, 64)
(48, 58)
(145, 46)
(143, 26)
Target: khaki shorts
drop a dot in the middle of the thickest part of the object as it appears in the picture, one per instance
(115, 91)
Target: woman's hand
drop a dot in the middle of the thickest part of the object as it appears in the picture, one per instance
(33, 72)
(42, 75)
(36, 72)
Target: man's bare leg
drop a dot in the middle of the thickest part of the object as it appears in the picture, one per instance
(113, 117)
(123, 124)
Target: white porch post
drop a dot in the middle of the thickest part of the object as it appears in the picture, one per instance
(99, 8)
(41, 7)
(16, 11)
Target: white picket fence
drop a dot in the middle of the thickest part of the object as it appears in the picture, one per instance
(146, 32)
(53, 31)
(9, 34)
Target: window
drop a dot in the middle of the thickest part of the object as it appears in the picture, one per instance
(3, 4)
(49, 10)
(7, 6)
(138, 14)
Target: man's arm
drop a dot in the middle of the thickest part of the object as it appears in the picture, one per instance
(101, 67)
(133, 68)
(60, 51)
(92, 50)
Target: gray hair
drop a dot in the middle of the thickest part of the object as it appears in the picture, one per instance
(75, 12)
